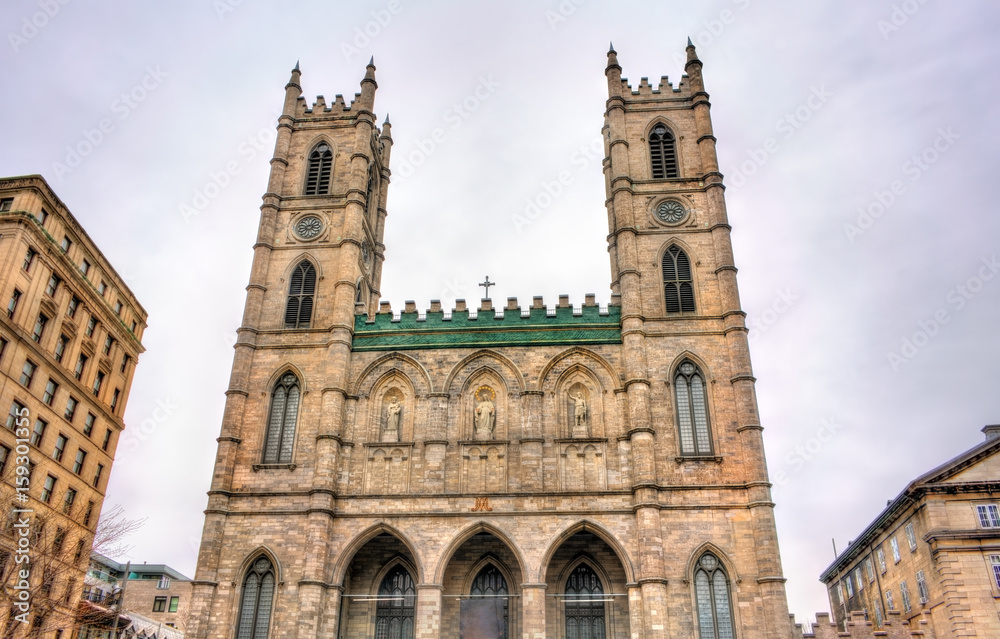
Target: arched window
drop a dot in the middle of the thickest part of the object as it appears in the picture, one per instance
(490, 583)
(692, 410)
(584, 603)
(371, 193)
(678, 287)
(281, 420)
(298, 310)
(396, 599)
(662, 153)
(711, 589)
(255, 604)
(318, 177)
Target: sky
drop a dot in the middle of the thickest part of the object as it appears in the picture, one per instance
(858, 141)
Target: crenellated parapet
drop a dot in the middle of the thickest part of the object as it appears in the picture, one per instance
(665, 89)
(857, 627)
(511, 325)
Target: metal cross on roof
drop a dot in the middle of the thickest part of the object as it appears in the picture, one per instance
(487, 284)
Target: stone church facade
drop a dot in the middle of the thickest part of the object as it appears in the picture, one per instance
(519, 471)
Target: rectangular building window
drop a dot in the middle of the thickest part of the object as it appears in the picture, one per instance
(57, 452)
(97, 475)
(159, 604)
(108, 343)
(81, 456)
(79, 551)
(989, 516)
(163, 583)
(27, 373)
(70, 408)
(995, 562)
(65, 244)
(3, 347)
(68, 502)
(4, 455)
(47, 488)
(895, 550)
(849, 586)
(102, 288)
(91, 326)
(60, 351)
(174, 603)
(29, 259)
(88, 424)
(878, 616)
(889, 603)
(922, 587)
(88, 513)
(39, 433)
(98, 383)
(42, 217)
(81, 363)
(880, 555)
(49, 395)
(39, 330)
(869, 570)
(125, 360)
(858, 579)
(107, 440)
(50, 288)
(16, 409)
(911, 537)
(12, 304)
(58, 540)
(74, 303)
(904, 594)
(85, 267)
(6, 203)
(118, 308)
(114, 399)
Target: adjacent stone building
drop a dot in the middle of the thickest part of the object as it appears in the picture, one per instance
(524, 470)
(933, 554)
(69, 342)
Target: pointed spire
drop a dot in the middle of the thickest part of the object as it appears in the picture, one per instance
(387, 119)
(612, 58)
(296, 66)
(611, 48)
(371, 62)
(690, 44)
(370, 69)
(692, 56)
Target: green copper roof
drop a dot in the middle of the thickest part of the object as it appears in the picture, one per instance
(487, 330)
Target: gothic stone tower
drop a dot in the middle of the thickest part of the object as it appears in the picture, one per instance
(533, 472)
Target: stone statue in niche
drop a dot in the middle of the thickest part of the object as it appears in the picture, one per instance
(393, 412)
(579, 410)
(485, 413)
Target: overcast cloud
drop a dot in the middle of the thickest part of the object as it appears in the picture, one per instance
(874, 341)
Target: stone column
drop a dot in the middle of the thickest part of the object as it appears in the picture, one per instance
(533, 611)
(427, 621)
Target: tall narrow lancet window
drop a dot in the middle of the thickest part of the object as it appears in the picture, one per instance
(318, 177)
(692, 410)
(711, 588)
(490, 588)
(255, 604)
(678, 287)
(394, 610)
(298, 310)
(663, 153)
(584, 603)
(281, 420)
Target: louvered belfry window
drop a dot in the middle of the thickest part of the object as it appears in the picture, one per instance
(692, 410)
(663, 153)
(281, 420)
(678, 287)
(255, 604)
(298, 310)
(320, 163)
(584, 605)
(711, 588)
(396, 602)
